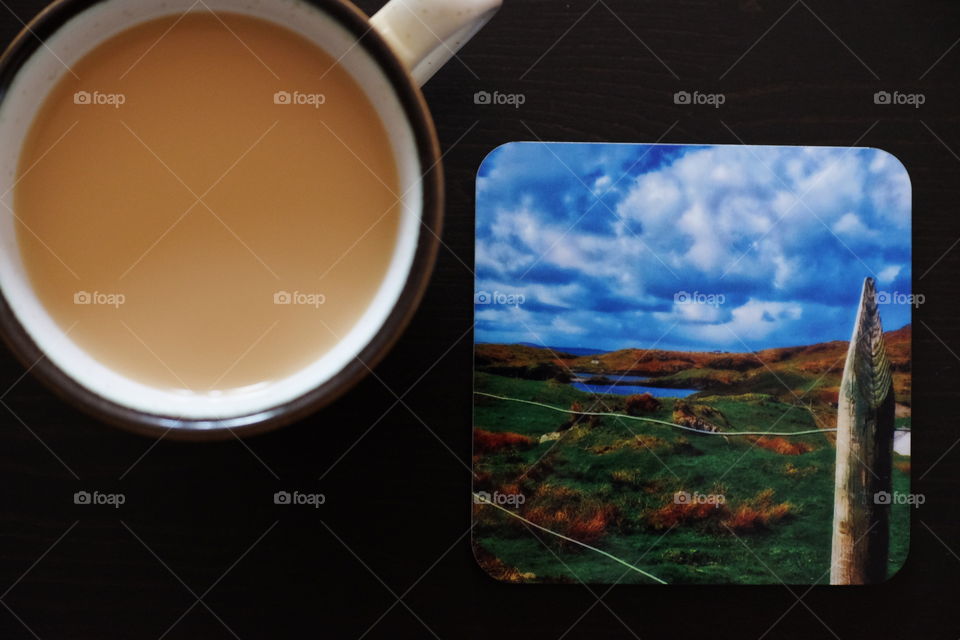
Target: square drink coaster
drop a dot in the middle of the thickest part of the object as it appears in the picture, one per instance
(692, 364)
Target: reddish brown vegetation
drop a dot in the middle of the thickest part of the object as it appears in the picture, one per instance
(821, 367)
(728, 368)
(641, 403)
(783, 446)
(577, 417)
(699, 417)
(570, 513)
(824, 395)
(491, 441)
(496, 568)
(640, 362)
(577, 413)
(674, 514)
(757, 513)
(897, 344)
(511, 488)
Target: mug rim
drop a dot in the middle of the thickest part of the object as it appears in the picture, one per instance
(55, 16)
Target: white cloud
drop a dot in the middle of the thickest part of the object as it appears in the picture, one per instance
(850, 224)
(889, 273)
(602, 184)
(754, 320)
(779, 229)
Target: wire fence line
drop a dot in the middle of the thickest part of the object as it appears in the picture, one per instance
(479, 499)
(625, 416)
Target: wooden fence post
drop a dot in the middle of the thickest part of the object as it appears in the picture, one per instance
(865, 425)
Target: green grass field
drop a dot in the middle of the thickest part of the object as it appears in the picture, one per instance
(610, 482)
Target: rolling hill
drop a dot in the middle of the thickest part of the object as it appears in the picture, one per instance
(809, 373)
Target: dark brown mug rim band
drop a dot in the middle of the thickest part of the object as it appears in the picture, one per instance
(55, 16)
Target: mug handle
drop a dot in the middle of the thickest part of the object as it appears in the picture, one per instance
(425, 34)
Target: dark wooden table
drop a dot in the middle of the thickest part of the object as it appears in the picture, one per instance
(199, 550)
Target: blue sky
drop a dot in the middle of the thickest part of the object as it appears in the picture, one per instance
(729, 248)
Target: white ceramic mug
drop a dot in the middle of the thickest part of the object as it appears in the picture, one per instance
(388, 55)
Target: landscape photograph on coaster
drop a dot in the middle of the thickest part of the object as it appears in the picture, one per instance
(692, 364)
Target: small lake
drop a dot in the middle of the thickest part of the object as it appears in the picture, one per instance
(631, 389)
